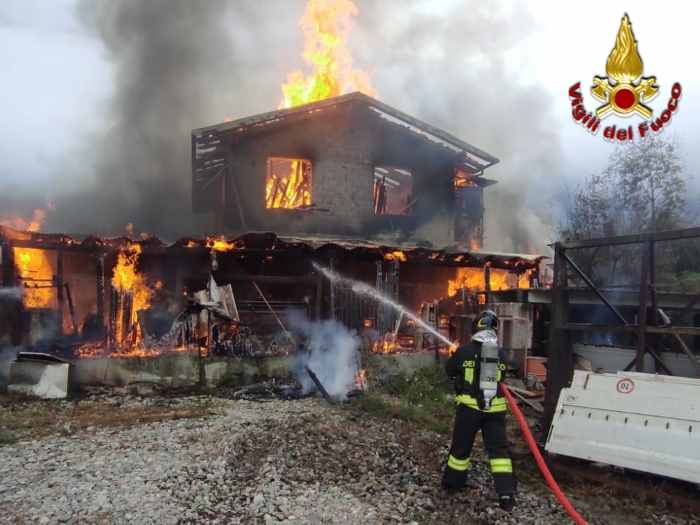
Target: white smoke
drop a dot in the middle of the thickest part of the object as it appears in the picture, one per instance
(7, 356)
(331, 352)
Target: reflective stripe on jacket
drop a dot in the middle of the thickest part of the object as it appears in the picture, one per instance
(498, 403)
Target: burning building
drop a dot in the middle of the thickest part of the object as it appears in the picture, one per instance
(121, 297)
(348, 184)
(344, 166)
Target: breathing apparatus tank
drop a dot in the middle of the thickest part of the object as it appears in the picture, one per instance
(488, 374)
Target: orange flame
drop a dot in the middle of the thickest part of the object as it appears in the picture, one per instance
(524, 279)
(395, 256)
(219, 244)
(127, 279)
(326, 25)
(500, 280)
(95, 350)
(288, 183)
(385, 345)
(36, 272)
(470, 278)
(462, 179)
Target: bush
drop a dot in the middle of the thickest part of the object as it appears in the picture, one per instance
(427, 386)
(420, 398)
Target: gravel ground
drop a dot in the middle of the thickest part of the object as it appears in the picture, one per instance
(293, 462)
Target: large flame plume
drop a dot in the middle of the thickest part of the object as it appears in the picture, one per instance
(126, 279)
(326, 25)
(624, 63)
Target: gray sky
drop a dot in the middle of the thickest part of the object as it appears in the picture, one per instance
(499, 82)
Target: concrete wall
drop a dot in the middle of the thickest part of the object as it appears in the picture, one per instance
(178, 370)
(182, 369)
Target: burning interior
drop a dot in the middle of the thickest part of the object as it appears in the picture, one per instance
(347, 184)
(121, 297)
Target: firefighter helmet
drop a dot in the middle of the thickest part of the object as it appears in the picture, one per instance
(487, 320)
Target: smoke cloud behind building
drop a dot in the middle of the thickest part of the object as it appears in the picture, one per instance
(177, 65)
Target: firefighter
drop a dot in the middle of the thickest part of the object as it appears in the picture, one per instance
(476, 369)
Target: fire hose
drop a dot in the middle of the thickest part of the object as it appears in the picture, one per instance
(553, 486)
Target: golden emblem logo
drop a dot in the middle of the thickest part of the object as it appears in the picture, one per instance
(624, 92)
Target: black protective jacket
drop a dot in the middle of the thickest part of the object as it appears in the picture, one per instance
(464, 368)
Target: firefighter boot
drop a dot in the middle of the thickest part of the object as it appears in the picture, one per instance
(506, 502)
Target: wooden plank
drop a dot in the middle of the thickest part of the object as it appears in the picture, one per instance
(632, 328)
(560, 360)
(533, 403)
(271, 279)
(319, 385)
(595, 289)
(71, 308)
(58, 283)
(642, 315)
(669, 235)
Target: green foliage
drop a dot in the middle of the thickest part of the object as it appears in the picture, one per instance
(686, 282)
(421, 399)
(7, 438)
(426, 386)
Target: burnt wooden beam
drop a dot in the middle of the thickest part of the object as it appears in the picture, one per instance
(657, 360)
(693, 358)
(319, 385)
(633, 328)
(560, 356)
(100, 290)
(642, 315)
(670, 235)
(51, 245)
(593, 287)
(7, 263)
(71, 308)
(59, 288)
(269, 279)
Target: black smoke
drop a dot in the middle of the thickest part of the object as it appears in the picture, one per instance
(180, 64)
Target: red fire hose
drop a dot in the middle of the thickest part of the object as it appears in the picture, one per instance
(568, 507)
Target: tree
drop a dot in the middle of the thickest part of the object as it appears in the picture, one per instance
(649, 185)
(642, 189)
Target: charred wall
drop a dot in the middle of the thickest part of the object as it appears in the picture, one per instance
(338, 149)
(344, 144)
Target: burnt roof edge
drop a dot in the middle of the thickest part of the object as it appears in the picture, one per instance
(271, 116)
(449, 254)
